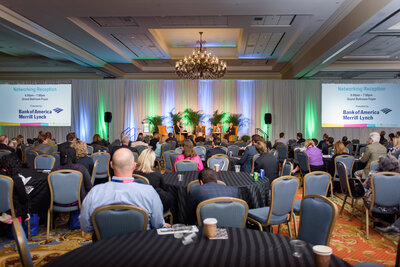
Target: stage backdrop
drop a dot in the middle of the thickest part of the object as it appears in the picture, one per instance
(295, 106)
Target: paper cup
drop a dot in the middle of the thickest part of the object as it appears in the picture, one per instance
(210, 227)
(322, 255)
(237, 168)
(216, 167)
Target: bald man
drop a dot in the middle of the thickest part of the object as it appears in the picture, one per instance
(122, 189)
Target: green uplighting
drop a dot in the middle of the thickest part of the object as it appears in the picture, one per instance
(310, 117)
(102, 128)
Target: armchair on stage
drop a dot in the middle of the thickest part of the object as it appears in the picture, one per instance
(178, 136)
(234, 138)
(162, 130)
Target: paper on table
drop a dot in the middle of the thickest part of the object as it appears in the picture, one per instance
(221, 234)
(185, 229)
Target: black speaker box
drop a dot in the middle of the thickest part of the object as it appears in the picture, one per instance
(107, 117)
(267, 118)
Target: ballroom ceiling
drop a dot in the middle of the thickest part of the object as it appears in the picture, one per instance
(259, 39)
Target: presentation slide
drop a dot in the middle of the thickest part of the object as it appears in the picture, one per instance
(360, 105)
(35, 105)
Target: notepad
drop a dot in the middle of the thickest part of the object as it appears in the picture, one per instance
(184, 229)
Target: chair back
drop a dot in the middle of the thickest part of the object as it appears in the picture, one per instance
(93, 177)
(22, 244)
(99, 148)
(194, 184)
(30, 158)
(4, 152)
(282, 151)
(56, 156)
(303, 160)
(65, 187)
(90, 150)
(374, 165)
(200, 144)
(201, 151)
(253, 160)
(291, 141)
(316, 183)
(317, 218)
(113, 220)
(172, 145)
(362, 150)
(168, 164)
(141, 148)
(355, 141)
(102, 170)
(44, 162)
(222, 161)
(343, 177)
(229, 211)
(274, 153)
(178, 150)
(6, 195)
(224, 149)
(385, 189)
(295, 145)
(208, 147)
(185, 165)
(331, 151)
(282, 199)
(350, 148)
(234, 149)
(348, 161)
(140, 179)
(287, 168)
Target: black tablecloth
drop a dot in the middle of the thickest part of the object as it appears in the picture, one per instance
(254, 193)
(330, 166)
(244, 247)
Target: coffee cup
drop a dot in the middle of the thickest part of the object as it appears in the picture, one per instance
(210, 227)
(237, 168)
(216, 167)
(322, 255)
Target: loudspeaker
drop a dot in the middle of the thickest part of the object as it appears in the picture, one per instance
(107, 117)
(267, 118)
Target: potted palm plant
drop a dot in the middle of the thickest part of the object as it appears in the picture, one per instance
(155, 121)
(217, 117)
(193, 117)
(175, 117)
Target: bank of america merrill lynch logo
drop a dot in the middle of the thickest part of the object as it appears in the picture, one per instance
(386, 110)
(57, 110)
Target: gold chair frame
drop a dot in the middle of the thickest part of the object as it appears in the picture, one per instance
(45, 156)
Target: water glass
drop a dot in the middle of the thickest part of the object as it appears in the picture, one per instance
(180, 177)
(237, 168)
(298, 247)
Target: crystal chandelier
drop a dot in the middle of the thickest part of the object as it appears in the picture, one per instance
(200, 65)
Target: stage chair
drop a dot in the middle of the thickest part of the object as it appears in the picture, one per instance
(229, 211)
(118, 219)
(162, 130)
(234, 138)
(44, 162)
(185, 165)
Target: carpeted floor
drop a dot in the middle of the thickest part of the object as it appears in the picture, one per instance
(348, 242)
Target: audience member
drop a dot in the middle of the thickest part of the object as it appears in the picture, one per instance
(328, 144)
(123, 190)
(171, 138)
(218, 128)
(248, 154)
(216, 149)
(209, 188)
(372, 152)
(50, 141)
(160, 143)
(4, 144)
(71, 138)
(300, 138)
(139, 141)
(281, 139)
(315, 158)
(188, 153)
(177, 128)
(267, 162)
(382, 139)
(345, 141)
(230, 131)
(68, 161)
(20, 141)
(200, 129)
(396, 140)
(323, 141)
(98, 141)
(43, 146)
(339, 149)
(82, 155)
(144, 167)
(200, 138)
(124, 144)
(393, 228)
(153, 142)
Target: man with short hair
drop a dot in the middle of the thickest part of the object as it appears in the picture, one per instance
(328, 144)
(4, 144)
(50, 141)
(372, 152)
(209, 188)
(323, 141)
(281, 139)
(216, 149)
(300, 138)
(153, 142)
(71, 138)
(200, 129)
(124, 144)
(44, 146)
(230, 131)
(250, 151)
(139, 141)
(122, 189)
(171, 138)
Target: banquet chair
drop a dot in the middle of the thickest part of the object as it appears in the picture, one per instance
(56, 155)
(200, 144)
(178, 150)
(374, 165)
(140, 179)
(304, 163)
(362, 151)
(141, 148)
(234, 149)
(90, 150)
(94, 171)
(196, 183)
(314, 183)
(6, 195)
(99, 148)
(44, 162)
(345, 185)
(349, 147)
(102, 170)
(65, 193)
(282, 152)
(295, 145)
(160, 161)
(280, 211)
(224, 148)
(185, 165)
(207, 147)
(349, 162)
(229, 211)
(172, 145)
(385, 192)
(118, 219)
(253, 160)
(222, 161)
(172, 158)
(318, 216)
(30, 158)
(166, 157)
(4, 152)
(331, 151)
(287, 168)
(274, 153)
(397, 154)
(22, 244)
(201, 151)
(291, 141)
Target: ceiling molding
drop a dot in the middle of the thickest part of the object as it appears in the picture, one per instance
(363, 66)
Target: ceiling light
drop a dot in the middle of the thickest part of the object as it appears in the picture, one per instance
(200, 65)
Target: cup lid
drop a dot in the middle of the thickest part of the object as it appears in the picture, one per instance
(322, 250)
(210, 221)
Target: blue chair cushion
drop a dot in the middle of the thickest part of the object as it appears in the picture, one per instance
(261, 215)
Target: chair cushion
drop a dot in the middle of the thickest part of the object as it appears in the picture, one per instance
(261, 215)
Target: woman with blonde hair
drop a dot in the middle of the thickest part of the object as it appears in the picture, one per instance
(189, 153)
(82, 155)
(315, 158)
(162, 141)
(144, 167)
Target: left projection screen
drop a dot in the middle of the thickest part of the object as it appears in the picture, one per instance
(35, 105)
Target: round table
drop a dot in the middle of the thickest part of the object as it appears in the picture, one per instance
(254, 193)
(244, 247)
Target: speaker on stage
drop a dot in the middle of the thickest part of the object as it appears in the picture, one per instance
(107, 117)
(267, 118)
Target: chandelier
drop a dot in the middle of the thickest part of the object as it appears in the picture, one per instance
(200, 65)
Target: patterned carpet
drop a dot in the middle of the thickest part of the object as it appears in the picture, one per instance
(348, 242)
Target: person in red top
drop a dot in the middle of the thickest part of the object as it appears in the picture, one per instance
(189, 153)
